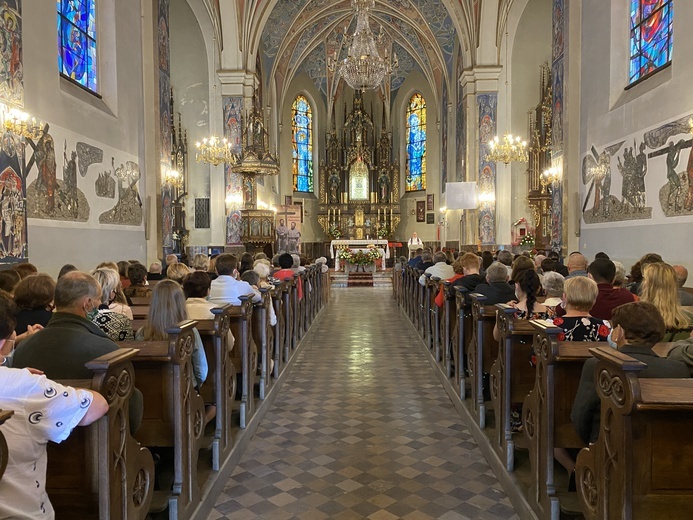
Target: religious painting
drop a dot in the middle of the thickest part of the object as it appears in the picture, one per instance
(163, 35)
(358, 181)
(128, 209)
(233, 226)
(232, 106)
(444, 138)
(288, 200)
(651, 37)
(86, 156)
(420, 211)
(233, 131)
(557, 73)
(622, 179)
(429, 202)
(430, 218)
(487, 106)
(288, 229)
(13, 224)
(558, 29)
(12, 71)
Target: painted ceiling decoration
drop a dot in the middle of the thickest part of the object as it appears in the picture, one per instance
(300, 36)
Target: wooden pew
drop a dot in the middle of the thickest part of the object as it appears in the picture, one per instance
(101, 471)
(512, 378)
(220, 387)
(432, 316)
(546, 412)
(262, 335)
(4, 416)
(280, 328)
(482, 353)
(140, 301)
(173, 413)
(641, 467)
(140, 313)
(244, 355)
(462, 331)
(449, 330)
(290, 339)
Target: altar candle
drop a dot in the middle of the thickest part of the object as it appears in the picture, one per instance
(390, 216)
(378, 214)
(340, 215)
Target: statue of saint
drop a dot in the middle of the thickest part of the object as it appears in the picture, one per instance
(384, 188)
(334, 189)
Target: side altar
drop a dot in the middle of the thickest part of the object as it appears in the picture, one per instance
(359, 245)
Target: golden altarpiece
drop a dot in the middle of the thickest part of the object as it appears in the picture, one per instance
(539, 187)
(359, 181)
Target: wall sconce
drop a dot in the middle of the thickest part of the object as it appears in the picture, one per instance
(487, 198)
(20, 123)
(550, 176)
(174, 178)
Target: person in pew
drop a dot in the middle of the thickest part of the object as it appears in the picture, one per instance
(34, 299)
(441, 269)
(246, 263)
(527, 288)
(414, 260)
(177, 272)
(683, 352)
(200, 262)
(620, 277)
(71, 339)
(286, 263)
(521, 263)
(137, 274)
(120, 298)
(685, 298)
(578, 324)
(553, 283)
(459, 273)
(470, 268)
(117, 325)
(603, 271)
(196, 287)
(225, 288)
(660, 288)
(496, 289)
(253, 279)
(67, 268)
(25, 269)
(426, 261)
(123, 267)
(167, 310)
(636, 328)
(577, 265)
(9, 278)
(43, 411)
(262, 268)
(155, 271)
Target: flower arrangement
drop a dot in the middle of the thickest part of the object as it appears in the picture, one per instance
(383, 232)
(335, 232)
(360, 257)
(527, 240)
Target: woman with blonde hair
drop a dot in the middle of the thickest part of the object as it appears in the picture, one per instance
(114, 323)
(200, 262)
(166, 310)
(660, 288)
(177, 272)
(121, 302)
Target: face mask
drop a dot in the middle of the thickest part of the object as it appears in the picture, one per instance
(92, 313)
(611, 341)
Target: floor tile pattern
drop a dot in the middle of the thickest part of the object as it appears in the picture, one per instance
(362, 429)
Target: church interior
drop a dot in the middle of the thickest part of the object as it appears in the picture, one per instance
(147, 128)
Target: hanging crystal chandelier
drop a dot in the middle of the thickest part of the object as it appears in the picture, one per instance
(511, 149)
(364, 68)
(214, 151)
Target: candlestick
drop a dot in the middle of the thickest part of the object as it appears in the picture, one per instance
(390, 216)
(340, 215)
(378, 214)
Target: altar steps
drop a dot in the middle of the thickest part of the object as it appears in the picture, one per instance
(377, 279)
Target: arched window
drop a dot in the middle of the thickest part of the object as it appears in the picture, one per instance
(302, 137)
(77, 58)
(416, 144)
(651, 36)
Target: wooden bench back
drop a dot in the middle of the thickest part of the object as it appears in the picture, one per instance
(641, 467)
(174, 412)
(244, 355)
(220, 387)
(279, 333)
(101, 471)
(432, 316)
(512, 377)
(4, 416)
(262, 335)
(140, 301)
(140, 313)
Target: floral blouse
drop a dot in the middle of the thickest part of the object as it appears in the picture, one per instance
(582, 328)
(524, 315)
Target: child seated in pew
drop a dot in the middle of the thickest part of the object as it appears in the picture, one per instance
(166, 310)
(527, 287)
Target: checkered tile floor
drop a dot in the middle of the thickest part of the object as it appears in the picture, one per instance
(362, 429)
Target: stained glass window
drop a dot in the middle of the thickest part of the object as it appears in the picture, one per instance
(416, 143)
(302, 135)
(651, 36)
(77, 41)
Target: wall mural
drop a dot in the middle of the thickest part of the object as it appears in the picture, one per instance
(233, 131)
(13, 226)
(54, 191)
(487, 105)
(12, 69)
(644, 176)
(165, 121)
(558, 92)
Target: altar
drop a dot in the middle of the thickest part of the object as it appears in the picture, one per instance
(359, 245)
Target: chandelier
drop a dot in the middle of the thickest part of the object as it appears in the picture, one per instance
(364, 68)
(550, 176)
(510, 149)
(18, 123)
(255, 158)
(214, 151)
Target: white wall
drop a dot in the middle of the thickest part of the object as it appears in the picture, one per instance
(115, 122)
(608, 113)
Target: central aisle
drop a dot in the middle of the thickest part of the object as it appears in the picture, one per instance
(361, 429)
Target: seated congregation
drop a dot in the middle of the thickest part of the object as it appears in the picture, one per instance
(164, 371)
(576, 379)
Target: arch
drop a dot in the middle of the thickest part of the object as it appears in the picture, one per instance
(416, 134)
(302, 144)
